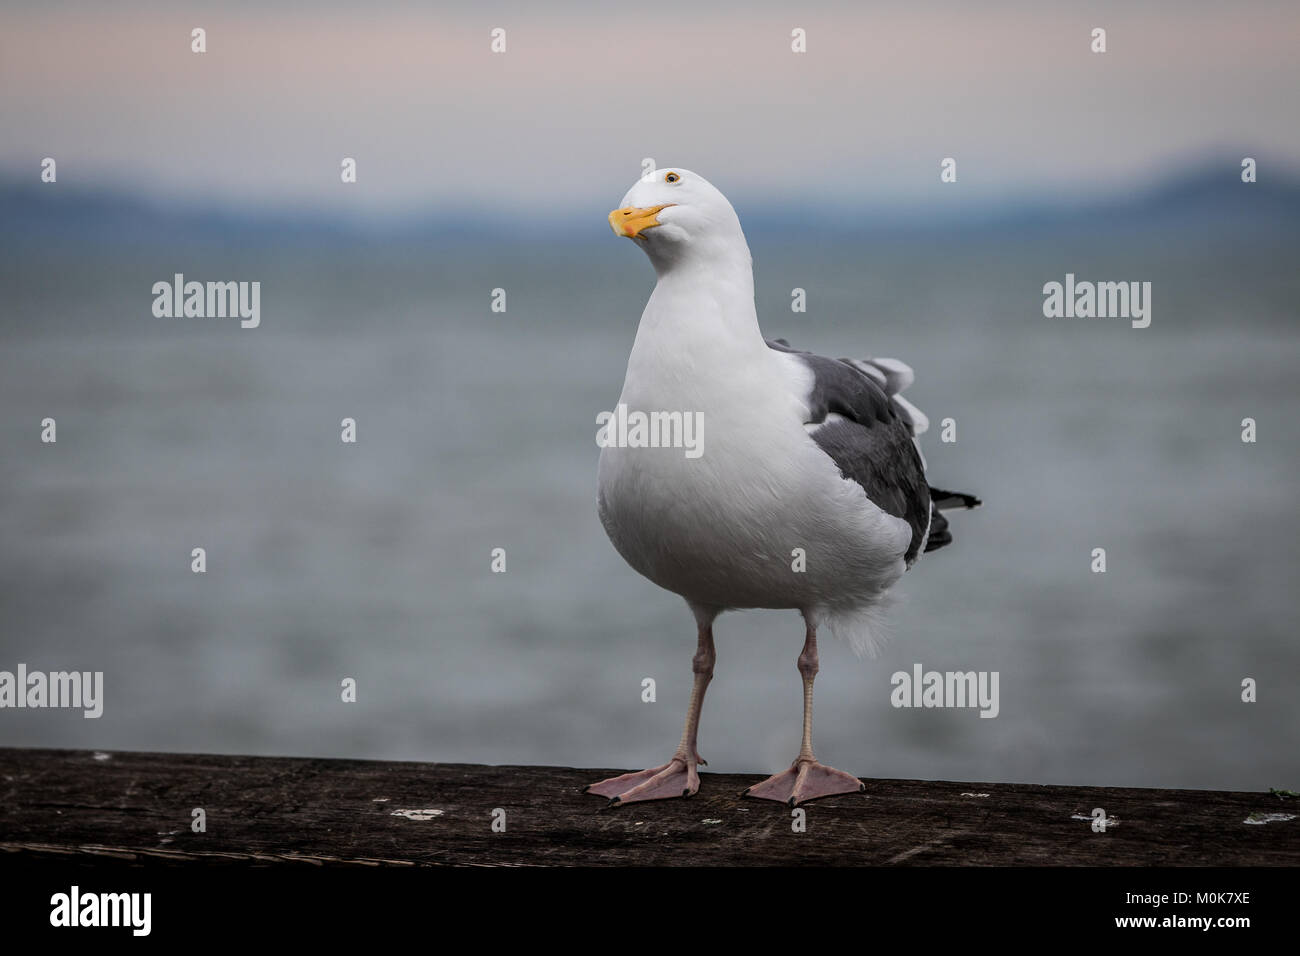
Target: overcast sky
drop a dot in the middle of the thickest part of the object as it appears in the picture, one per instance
(562, 119)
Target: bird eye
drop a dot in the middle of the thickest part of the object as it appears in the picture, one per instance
(672, 178)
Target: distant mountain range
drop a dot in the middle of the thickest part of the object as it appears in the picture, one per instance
(1210, 200)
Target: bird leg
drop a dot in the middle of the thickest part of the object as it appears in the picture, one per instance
(678, 777)
(808, 778)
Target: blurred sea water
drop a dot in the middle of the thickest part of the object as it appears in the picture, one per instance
(476, 431)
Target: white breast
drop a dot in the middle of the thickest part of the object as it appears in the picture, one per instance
(727, 529)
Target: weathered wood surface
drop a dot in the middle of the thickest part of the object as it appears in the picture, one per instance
(137, 808)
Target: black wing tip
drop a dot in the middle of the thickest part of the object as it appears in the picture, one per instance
(937, 541)
(946, 500)
(939, 534)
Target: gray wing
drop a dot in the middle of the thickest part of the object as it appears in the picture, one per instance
(871, 439)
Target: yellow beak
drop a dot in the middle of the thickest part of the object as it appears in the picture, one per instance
(631, 221)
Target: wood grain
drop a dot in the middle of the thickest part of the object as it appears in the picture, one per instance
(284, 811)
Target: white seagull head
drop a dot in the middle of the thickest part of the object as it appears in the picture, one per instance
(677, 217)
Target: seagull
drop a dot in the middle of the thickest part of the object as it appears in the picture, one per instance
(808, 488)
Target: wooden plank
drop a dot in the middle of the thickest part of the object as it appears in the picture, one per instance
(137, 807)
